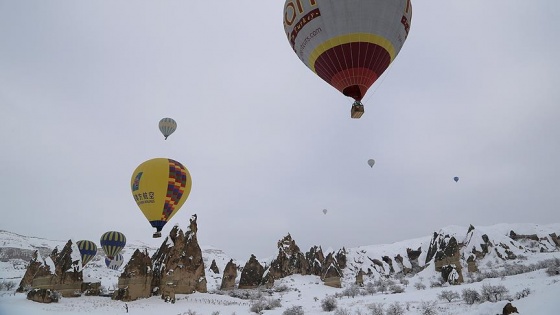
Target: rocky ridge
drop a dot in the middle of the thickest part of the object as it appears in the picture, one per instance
(179, 266)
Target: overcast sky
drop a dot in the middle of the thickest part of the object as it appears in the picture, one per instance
(474, 93)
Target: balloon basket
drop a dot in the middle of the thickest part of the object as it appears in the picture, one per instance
(157, 235)
(357, 110)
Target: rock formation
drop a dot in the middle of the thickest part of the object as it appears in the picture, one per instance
(60, 272)
(509, 309)
(290, 259)
(32, 269)
(413, 256)
(214, 267)
(331, 273)
(445, 251)
(178, 262)
(230, 274)
(252, 274)
(43, 295)
(315, 259)
(136, 279)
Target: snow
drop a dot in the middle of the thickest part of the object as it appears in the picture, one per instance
(50, 263)
(308, 291)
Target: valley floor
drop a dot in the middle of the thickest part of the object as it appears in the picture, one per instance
(307, 291)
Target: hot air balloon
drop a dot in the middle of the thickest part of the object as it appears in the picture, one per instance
(114, 263)
(348, 43)
(167, 126)
(87, 249)
(456, 179)
(371, 162)
(112, 243)
(160, 186)
(325, 211)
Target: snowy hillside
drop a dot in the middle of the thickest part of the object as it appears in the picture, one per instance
(522, 267)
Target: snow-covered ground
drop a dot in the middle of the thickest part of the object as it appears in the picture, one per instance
(308, 291)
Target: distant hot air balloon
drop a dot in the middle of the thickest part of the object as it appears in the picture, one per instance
(348, 43)
(114, 263)
(160, 186)
(456, 179)
(371, 162)
(112, 243)
(88, 250)
(167, 126)
(325, 211)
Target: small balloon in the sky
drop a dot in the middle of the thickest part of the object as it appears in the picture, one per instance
(371, 162)
(325, 211)
(456, 179)
(167, 126)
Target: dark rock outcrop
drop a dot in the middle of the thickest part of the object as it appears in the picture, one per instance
(331, 273)
(509, 309)
(214, 267)
(290, 259)
(315, 259)
(413, 256)
(516, 237)
(30, 272)
(230, 274)
(136, 279)
(252, 274)
(43, 295)
(178, 262)
(445, 251)
(389, 262)
(66, 278)
(360, 278)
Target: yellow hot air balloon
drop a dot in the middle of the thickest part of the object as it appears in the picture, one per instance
(160, 186)
(348, 43)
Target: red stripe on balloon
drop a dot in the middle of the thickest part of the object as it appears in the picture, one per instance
(353, 67)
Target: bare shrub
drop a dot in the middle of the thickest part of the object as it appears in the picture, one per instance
(395, 309)
(428, 308)
(470, 296)
(329, 304)
(341, 311)
(351, 291)
(294, 310)
(448, 295)
(395, 288)
(264, 304)
(420, 286)
(493, 293)
(370, 288)
(376, 309)
(523, 293)
(553, 268)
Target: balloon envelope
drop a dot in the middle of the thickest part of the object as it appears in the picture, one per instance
(325, 211)
(112, 243)
(114, 263)
(160, 186)
(348, 43)
(88, 250)
(456, 179)
(167, 126)
(371, 162)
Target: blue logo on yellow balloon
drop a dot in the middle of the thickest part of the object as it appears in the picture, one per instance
(136, 184)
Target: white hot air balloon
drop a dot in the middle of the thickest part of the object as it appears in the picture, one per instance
(167, 126)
